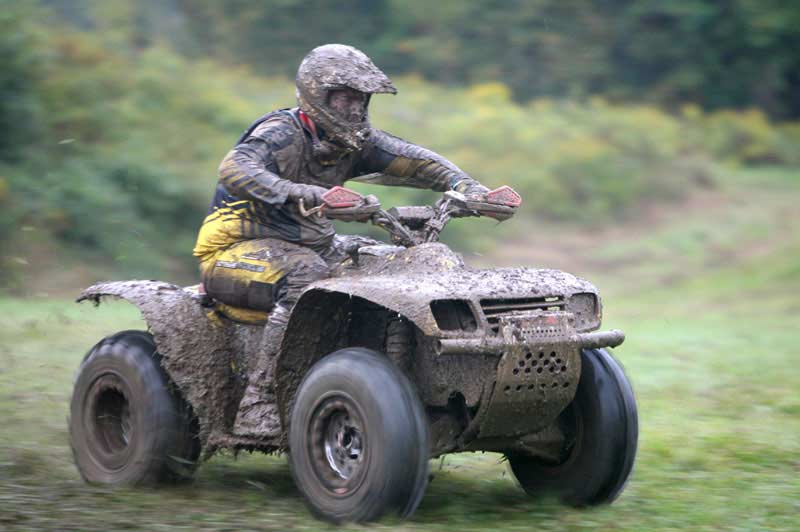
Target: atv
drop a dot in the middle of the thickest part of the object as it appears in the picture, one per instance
(402, 355)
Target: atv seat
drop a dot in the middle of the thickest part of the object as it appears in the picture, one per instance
(238, 314)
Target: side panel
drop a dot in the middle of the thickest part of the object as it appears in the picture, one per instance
(204, 356)
(441, 377)
(324, 321)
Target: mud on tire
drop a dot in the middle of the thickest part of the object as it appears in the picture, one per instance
(128, 425)
(602, 431)
(358, 438)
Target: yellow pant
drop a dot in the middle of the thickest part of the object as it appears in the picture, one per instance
(259, 274)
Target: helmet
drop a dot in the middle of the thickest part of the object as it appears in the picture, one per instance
(338, 66)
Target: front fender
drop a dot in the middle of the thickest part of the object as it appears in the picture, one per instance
(321, 321)
(409, 297)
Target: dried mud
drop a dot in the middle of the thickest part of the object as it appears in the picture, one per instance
(208, 357)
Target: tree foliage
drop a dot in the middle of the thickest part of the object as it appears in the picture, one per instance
(110, 139)
(20, 61)
(715, 53)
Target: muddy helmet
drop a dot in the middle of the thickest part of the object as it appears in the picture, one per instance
(338, 66)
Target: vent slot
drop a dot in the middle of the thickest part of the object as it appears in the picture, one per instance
(453, 315)
(493, 309)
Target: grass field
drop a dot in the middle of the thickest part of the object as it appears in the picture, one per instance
(709, 298)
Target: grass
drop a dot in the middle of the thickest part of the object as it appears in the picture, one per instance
(711, 351)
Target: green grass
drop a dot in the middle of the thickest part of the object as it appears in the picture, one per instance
(711, 351)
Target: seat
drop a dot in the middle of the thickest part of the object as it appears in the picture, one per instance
(238, 314)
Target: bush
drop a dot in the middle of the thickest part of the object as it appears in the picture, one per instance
(116, 153)
(20, 64)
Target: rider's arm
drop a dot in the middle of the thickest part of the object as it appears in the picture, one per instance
(250, 171)
(402, 163)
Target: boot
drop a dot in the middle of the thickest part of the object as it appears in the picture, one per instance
(258, 415)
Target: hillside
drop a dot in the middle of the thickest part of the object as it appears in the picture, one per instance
(109, 157)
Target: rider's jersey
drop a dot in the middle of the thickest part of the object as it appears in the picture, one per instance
(250, 201)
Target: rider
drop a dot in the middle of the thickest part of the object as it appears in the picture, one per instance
(256, 249)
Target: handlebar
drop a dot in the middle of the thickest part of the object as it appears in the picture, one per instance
(343, 204)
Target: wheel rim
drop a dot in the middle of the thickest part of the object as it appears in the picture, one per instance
(571, 422)
(110, 422)
(338, 444)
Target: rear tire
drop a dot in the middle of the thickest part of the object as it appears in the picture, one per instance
(128, 425)
(602, 431)
(358, 438)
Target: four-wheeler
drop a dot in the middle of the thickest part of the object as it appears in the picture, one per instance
(402, 355)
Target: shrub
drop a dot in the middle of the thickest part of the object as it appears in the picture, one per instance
(116, 153)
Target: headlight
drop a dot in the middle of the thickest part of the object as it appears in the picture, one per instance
(586, 311)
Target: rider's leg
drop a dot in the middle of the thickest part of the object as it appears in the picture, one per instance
(258, 415)
(241, 275)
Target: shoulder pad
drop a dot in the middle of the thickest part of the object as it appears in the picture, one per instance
(278, 131)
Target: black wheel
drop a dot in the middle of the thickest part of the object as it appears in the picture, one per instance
(601, 432)
(358, 438)
(128, 425)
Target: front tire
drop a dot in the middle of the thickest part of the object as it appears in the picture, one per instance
(128, 426)
(358, 438)
(601, 429)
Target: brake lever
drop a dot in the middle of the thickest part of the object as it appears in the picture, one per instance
(457, 205)
(312, 211)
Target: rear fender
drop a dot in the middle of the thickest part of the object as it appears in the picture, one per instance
(194, 344)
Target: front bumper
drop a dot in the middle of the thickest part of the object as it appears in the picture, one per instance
(497, 345)
(537, 372)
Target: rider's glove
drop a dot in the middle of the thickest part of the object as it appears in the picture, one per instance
(471, 188)
(310, 194)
